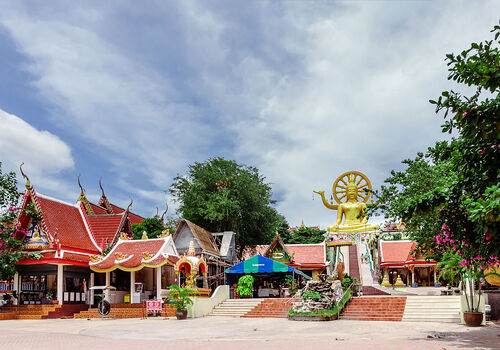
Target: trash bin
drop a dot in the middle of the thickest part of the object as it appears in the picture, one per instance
(126, 298)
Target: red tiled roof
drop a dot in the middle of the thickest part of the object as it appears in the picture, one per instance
(52, 257)
(65, 220)
(98, 210)
(131, 254)
(134, 218)
(307, 253)
(396, 251)
(105, 227)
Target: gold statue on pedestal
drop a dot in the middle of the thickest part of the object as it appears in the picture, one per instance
(350, 185)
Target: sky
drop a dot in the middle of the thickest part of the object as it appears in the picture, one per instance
(134, 92)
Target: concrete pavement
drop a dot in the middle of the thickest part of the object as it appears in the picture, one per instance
(237, 333)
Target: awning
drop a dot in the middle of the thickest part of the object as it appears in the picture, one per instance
(261, 264)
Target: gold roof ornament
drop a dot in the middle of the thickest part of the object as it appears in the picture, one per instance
(191, 250)
(124, 236)
(164, 233)
(355, 188)
(96, 258)
(120, 256)
(147, 255)
(144, 235)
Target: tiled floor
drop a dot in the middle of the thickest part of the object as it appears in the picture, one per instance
(234, 334)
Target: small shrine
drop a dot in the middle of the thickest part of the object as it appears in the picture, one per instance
(189, 268)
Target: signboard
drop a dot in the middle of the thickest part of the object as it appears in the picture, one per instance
(153, 305)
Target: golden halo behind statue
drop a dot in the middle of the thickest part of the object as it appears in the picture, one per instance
(359, 179)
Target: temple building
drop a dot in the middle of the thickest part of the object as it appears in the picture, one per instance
(66, 235)
(218, 250)
(399, 258)
(309, 258)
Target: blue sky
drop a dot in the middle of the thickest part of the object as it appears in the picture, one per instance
(303, 90)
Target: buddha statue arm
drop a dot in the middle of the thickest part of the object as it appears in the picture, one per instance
(325, 202)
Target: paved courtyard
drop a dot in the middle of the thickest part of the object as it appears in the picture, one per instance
(238, 333)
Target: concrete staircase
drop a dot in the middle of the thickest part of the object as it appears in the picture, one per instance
(428, 308)
(235, 307)
(378, 308)
(124, 311)
(271, 308)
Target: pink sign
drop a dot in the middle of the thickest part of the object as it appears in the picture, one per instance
(153, 305)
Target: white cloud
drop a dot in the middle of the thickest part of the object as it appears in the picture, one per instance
(304, 91)
(45, 155)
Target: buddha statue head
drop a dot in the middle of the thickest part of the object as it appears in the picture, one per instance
(352, 189)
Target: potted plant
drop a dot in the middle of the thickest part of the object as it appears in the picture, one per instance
(181, 300)
(245, 284)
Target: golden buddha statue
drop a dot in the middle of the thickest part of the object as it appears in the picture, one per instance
(347, 186)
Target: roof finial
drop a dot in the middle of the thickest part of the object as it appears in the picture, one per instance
(157, 215)
(28, 185)
(163, 215)
(82, 193)
(131, 201)
(100, 185)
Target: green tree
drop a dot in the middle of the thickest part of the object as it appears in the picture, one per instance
(154, 227)
(283, 228)
(9, 195)
(222, 195)
(306, 235)
(459, 210)
(10, 246)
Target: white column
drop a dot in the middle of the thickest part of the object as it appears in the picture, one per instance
(435, 277)
(91, 291)
(132, 283)
(60, 283)
(158, 283)
(16, 288)
(413, 276)
(108, 283)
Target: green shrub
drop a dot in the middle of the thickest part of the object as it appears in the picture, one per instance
(245, 284)
(312, 295)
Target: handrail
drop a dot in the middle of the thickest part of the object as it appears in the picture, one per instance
(370, 259)
(342, 297)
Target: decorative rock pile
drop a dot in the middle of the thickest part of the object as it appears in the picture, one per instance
(330, 292)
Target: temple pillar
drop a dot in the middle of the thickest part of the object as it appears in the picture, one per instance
(158, 283)
(91, 291)
(132, 285)
(60, 283)
(205, 281)
(108, 283)
(413, 276)
(16, 288)
(435, 277)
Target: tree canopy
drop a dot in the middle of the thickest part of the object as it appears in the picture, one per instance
(9, 195)
(222, 195)
(449, 197)
(154, 227)
(305, 235)
(11, 247)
